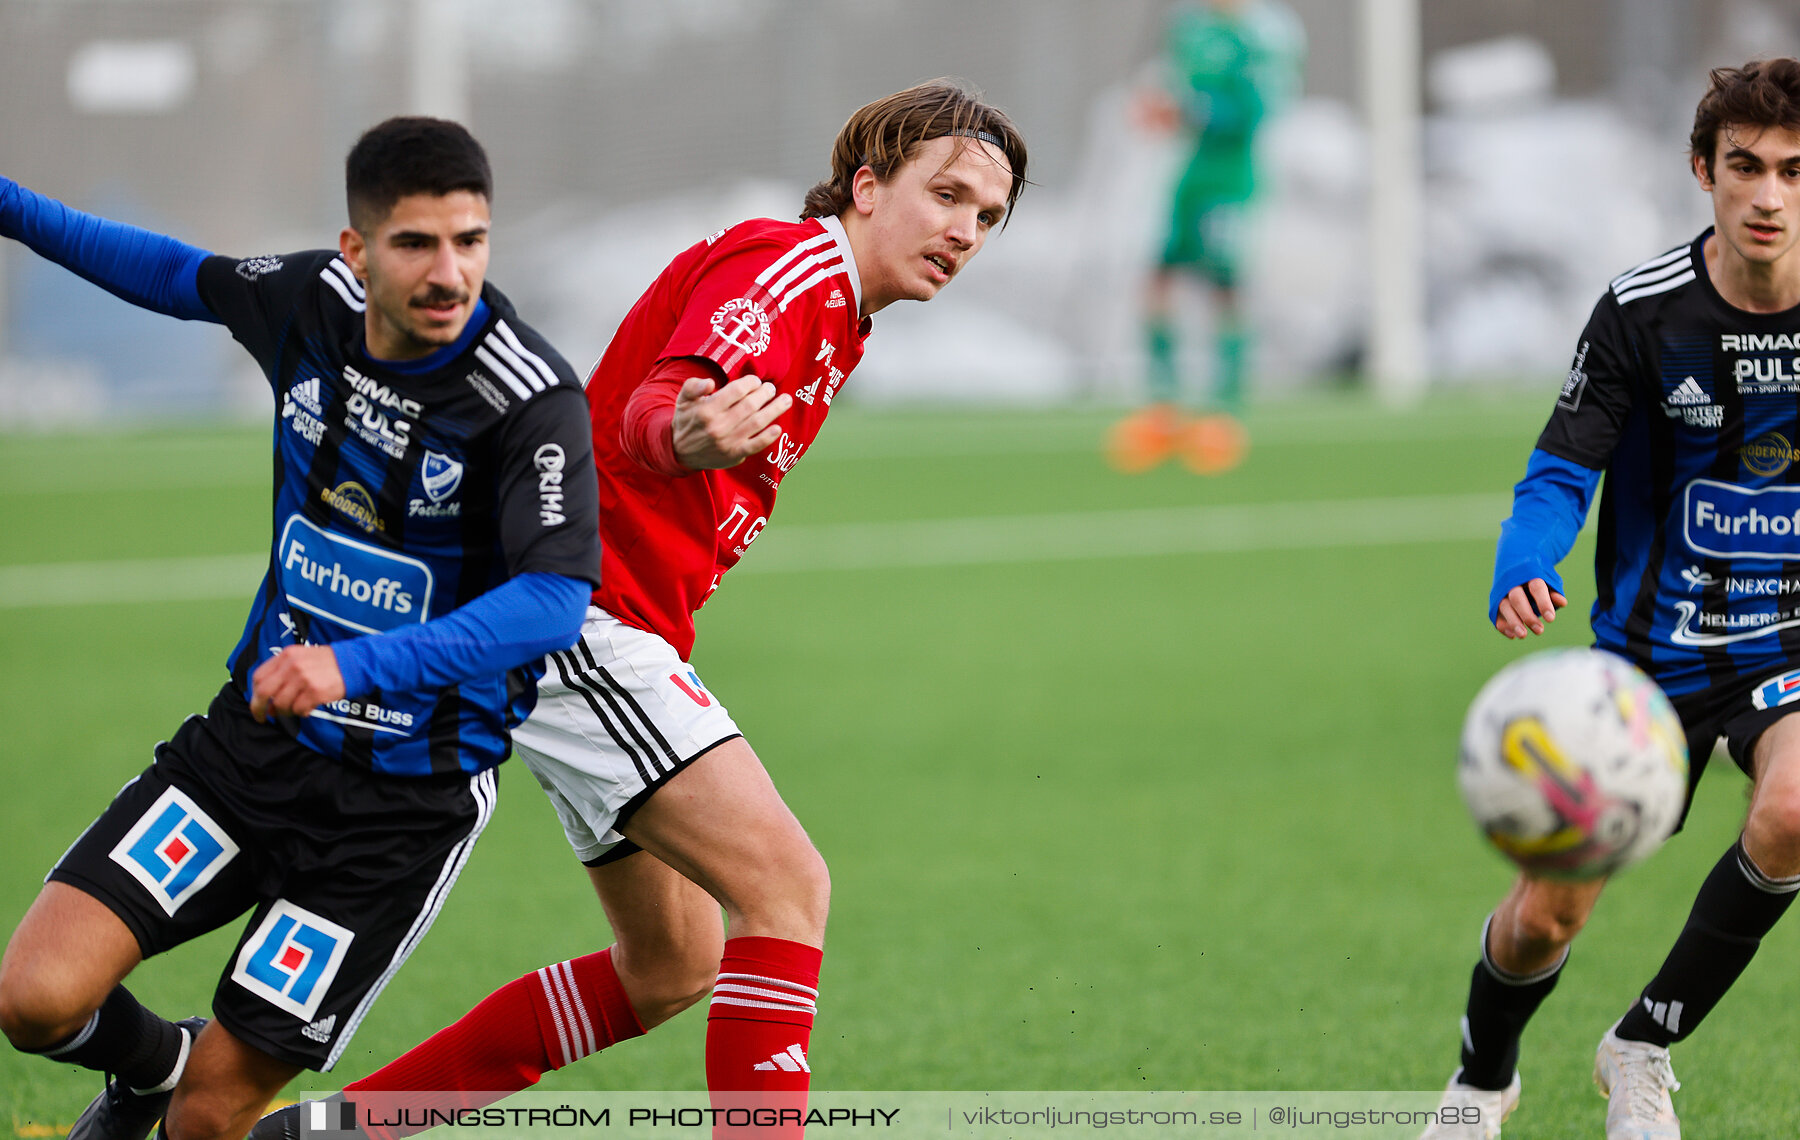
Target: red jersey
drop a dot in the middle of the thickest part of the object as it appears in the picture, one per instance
(775, 300)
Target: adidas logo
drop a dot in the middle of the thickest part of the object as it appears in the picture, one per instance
(305, 394)
(1687, 394)
(1666, 1014)
(807, 394)
(320, 1030)
(789, 1060)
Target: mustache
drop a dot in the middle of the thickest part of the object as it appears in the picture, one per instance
(437, 296)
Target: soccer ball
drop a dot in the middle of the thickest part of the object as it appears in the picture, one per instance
(1573, 763)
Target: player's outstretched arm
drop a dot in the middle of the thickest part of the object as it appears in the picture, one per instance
(1549, 506)
(148, 269)
(723, 427)
(516, 622)
(1528, 607)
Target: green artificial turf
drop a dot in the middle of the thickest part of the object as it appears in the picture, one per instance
(1096, 820)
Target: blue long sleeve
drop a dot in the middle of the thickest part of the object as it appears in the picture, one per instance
(149, 270)
(517, 621)
(1549, 506)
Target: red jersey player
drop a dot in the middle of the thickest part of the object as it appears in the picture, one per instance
(714, 386)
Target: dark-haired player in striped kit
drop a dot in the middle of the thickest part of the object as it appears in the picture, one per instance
(434, 535)
(714, 386)
(1685, 392)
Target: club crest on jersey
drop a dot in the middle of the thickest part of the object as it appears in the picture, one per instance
(291, 959)
(174, 849)
(693, 688)
(1777, 691)
(441, 475)
(743, 324)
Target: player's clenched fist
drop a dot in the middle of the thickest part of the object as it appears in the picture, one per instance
(725, 427)
(295, 681)
(1516, 613)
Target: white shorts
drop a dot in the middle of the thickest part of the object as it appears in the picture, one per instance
(616, 717)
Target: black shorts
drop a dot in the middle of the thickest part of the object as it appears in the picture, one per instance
(344, 870)
(1740, 711)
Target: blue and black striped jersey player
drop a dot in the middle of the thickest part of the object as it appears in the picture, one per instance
(1685, 393)
(435, 520)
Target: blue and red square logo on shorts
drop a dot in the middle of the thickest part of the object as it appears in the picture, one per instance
(174, 849)
(1777, 691)
(291, 959)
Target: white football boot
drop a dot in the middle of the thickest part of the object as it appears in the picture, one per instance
(1475, 1114)
(1636, 1079)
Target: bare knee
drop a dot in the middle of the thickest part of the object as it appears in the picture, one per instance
(36, 1012)
(1772, 833)
(672, 988)
(1537, 921)
(66, 955)
(812, 889)
(669, 972)
(1548, 929)
(789, 898)
(800, 897)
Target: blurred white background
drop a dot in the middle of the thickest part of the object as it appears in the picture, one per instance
(622, 131)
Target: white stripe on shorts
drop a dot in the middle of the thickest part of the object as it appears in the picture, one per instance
(633, 731)
(482, 785)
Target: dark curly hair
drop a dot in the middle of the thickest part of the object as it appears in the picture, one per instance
(1763, 93)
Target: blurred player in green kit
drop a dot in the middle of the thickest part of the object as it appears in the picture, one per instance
(1227, 64)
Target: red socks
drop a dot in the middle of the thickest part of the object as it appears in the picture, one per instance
(757, 1030)
(542, 1021)
(586, 1005)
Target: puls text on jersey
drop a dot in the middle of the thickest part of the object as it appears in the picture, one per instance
(377, 413)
